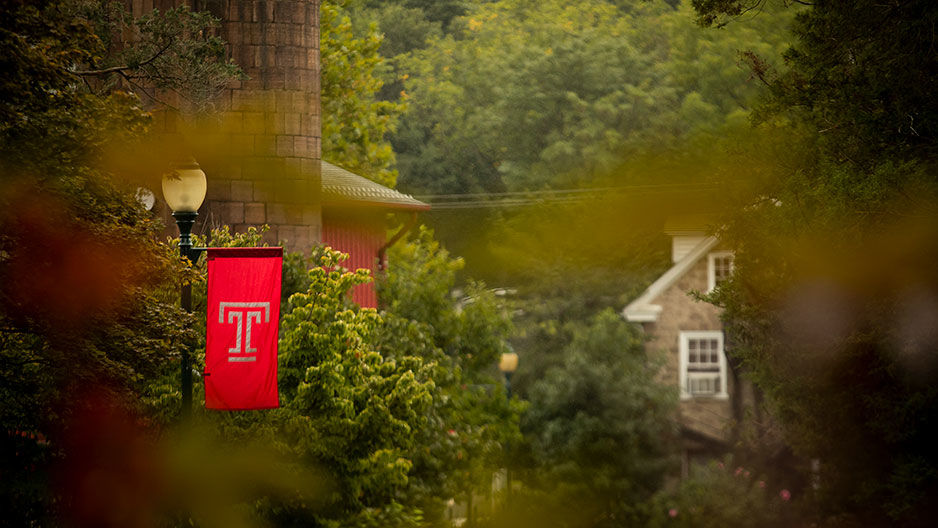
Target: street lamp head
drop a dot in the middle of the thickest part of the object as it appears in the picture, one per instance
(508, 362)
(184, 187)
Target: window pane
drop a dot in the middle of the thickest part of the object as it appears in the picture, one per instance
(702, 366)
(722, 268)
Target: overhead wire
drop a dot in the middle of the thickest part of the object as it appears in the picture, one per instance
(551, 196)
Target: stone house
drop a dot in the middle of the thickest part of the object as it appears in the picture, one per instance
(714, 399)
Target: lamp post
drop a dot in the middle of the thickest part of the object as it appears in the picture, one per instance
(508, 364)
(184, 191)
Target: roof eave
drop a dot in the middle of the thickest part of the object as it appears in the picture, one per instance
(375, 205)
(643, 306)
(642, 314)
(343, 187)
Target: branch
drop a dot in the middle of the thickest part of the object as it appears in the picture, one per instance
(106, 71)
(119, 69)
(736, 99)
(87, 84)
(147, 93)
(38, 361)
(755, 5)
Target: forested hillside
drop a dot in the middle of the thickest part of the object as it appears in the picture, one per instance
(810, 125)
(509, 105)
(519, 95)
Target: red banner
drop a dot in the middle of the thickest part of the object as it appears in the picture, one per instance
(241, 334)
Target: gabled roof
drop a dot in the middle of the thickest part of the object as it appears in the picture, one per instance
(342, 187)
(642, 310)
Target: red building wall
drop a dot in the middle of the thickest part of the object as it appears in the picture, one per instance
(361, 238)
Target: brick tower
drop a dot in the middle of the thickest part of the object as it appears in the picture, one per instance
(267, 167)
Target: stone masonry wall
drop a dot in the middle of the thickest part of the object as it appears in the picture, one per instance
(710, 416)
(265, 167)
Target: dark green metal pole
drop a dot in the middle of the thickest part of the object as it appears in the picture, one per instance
(185, 221)
(508, 449)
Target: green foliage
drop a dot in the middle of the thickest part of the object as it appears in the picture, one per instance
(521, 95)
(355, 122)
(347, 413)
(439, 11)
(463, 335)
(44, 107)
(396, 410)
(395, 516)
(860, 73)
(829, 342)
(719, 495)
(871, 92)
(817, 310)
(372, 402)
(710, 12)
(172, 50)
(601, 427)
(358, 412)
(471, 329)
(86, 312)
(404, 29)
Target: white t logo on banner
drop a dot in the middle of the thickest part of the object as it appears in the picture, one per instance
(243, 314)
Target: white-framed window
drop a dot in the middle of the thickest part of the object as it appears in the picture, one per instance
(703, 365)
(719, 268)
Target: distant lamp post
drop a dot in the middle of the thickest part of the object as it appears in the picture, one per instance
(184, 190)
(508, 364)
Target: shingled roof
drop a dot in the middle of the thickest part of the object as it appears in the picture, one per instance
(342, 187)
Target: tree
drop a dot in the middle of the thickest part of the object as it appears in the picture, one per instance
(355, 122)
(463, 334)
(568, 262)
(518, 96)
(84, 315)
(362, 411)
(601, 428)
(404, 29)
(816, 308)
(861, 73)
(441, 12)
